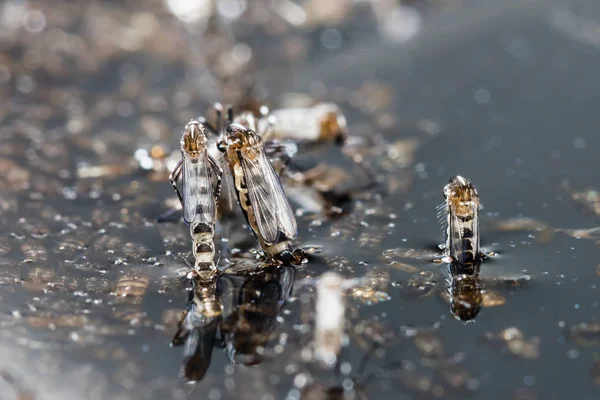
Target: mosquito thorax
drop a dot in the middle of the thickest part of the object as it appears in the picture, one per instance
(193, 139)
(461, 194)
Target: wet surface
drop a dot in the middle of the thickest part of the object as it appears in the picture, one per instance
(93, 98)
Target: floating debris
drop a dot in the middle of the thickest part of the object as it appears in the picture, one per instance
(589, 200)
(492, 298)
(595, 372)
(428, 344)
(421, 284)
(544, 231)
(373, 288)
(591, 233)
(34, 250)
(585, 334)
(406, 253)
(515, 342)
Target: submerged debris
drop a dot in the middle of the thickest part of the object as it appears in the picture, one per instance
(585, 334)
(373, 288)
(589, 200)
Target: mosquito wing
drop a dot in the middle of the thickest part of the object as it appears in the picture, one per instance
(271, 207)
(198, 200)
(463, 235)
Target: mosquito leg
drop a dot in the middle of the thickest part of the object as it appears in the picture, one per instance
(208, 126)
(167, 216)
(219, 112)
(218, 171)
(229, 114)
(177, 339)
(174, 176)
(284, 151)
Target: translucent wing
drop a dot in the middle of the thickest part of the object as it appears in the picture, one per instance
(198, 200)
(271, 207)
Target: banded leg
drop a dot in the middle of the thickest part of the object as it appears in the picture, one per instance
(284, 151)
(215, 130)
(174, 177)
(218, 171)
(229, 114)
(208, 126)
(179, 338)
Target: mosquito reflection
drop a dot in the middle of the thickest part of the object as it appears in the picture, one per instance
(464, 290)
(198, 328)
(238, 313)
(252, 309)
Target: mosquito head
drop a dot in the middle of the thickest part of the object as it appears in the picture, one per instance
(242, 135)
(193, 139)
(461, 193)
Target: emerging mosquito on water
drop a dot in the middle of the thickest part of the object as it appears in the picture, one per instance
(201, 185)
(461, 212)
(258, 189)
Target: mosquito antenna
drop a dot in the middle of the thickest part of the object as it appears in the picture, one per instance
(229, 114)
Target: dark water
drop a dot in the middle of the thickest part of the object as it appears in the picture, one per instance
(504, 94)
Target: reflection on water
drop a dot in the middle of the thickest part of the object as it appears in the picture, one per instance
(464, 290)
(237, 313)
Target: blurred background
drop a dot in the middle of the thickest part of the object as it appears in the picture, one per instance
(94, 95)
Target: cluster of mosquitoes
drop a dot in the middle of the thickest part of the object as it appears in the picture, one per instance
(243, 164)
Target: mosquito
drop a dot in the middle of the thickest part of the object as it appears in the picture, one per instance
(258, 189)
(461, 211)
(198, 170)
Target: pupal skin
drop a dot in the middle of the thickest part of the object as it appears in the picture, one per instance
(322, 122)
(462, 220)
(330, 318)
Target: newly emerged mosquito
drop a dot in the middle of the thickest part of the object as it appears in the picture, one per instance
(201, 185)
(461, 211)
(257, 186)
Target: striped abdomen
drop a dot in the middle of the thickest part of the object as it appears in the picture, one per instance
(203, 245)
